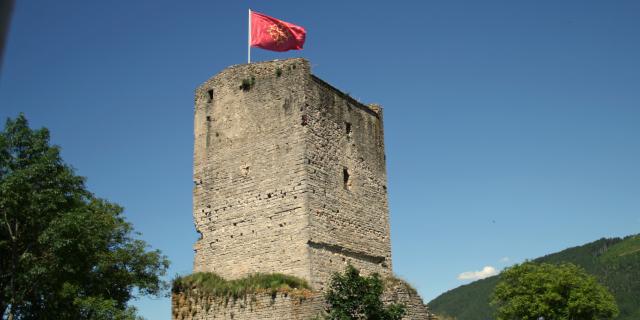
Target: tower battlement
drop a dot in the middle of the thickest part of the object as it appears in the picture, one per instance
(289, 175)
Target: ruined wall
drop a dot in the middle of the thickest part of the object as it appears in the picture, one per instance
(249, 171)
(398, 291)
(295, 305)
(347, 184)
(255, 306)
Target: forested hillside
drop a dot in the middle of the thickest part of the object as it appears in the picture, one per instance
(615, 262)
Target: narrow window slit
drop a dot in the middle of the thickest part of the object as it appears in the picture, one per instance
(346, 179)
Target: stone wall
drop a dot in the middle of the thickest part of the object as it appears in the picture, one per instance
(294, 305)
(249, 171)
(263, 306)
(398, 291)
(289, 176)
(347, 196)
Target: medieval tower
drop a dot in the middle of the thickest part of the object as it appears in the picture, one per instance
(289, 175)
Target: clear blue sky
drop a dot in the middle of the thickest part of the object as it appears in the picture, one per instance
(512, 127)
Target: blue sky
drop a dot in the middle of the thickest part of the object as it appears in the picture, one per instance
(512, 127)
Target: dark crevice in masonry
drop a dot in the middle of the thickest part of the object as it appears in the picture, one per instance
(346, 179)
(283, 211)
(209, 95)
(353, 101)
(346, 252)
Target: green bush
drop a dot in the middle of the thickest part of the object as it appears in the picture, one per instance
(351, 296)
(247, 83)
(532, 291)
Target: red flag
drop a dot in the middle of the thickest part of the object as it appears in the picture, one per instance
(276, 35)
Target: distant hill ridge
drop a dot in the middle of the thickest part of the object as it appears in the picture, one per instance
(614, 261)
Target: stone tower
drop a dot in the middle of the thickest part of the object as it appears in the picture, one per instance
(289, 176)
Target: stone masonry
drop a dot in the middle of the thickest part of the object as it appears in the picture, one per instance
(289, 176)
(293, 305)
(254, 306)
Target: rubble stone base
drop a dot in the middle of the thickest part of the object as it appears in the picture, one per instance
(295, 305)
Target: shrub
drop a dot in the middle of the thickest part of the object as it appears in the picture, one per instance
(247, 83)
(531, 291)
(351, 296)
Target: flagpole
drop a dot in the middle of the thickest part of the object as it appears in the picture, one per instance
(249, 43)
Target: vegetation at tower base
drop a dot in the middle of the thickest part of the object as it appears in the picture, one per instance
(211, 284)
(351, 296)
(532, 291)
(206, 295)
(615, 262)
(65, 254)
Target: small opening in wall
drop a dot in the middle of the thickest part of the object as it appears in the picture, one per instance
(347, 127)
(346, 179)
(209, 95)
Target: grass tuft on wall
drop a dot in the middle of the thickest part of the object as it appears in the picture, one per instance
(211, 284)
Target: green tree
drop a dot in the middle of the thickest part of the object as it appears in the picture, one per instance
(65, 254)
(351, 296)
(531, 291)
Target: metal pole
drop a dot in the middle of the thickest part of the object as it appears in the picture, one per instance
(249, 43)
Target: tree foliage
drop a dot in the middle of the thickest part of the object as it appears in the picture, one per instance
(615, 262)
(65, 253)
(531, 291)
(351, 296)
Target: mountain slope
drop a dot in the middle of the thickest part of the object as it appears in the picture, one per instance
(615, 262)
